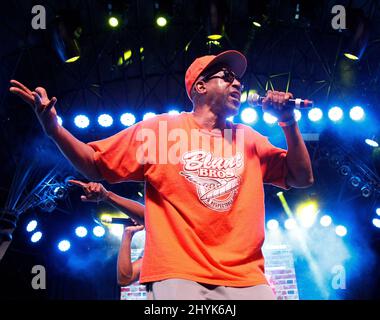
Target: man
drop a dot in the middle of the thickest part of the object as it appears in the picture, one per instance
(127, 271)
(204, 214)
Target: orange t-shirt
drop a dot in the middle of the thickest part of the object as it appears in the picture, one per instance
(204, 202)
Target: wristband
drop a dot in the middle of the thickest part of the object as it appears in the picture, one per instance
(287, 123)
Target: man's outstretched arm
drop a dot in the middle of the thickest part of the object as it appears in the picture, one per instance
(77, 152)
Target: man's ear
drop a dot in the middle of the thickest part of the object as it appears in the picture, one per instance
(200, 87)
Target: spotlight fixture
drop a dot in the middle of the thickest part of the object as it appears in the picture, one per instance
(163, 11)
(366, 190)
(66, 33)
(355, 181)
(216, 14)
(358, 27)
(344, 170)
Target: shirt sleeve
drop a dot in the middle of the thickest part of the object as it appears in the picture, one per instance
(117, 158)
(272, 161)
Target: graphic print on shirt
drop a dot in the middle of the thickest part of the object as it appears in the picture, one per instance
(216, 178)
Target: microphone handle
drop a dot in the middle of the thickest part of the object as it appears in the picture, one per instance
(124, 221)
(297, 103)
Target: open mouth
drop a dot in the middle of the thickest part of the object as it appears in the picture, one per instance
(235, 95)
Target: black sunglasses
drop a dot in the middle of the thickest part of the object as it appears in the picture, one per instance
(228, 76)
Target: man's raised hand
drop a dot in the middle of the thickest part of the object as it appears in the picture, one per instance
(94, 192)
(41, 104)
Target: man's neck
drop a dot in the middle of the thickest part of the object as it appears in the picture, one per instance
(207, 119)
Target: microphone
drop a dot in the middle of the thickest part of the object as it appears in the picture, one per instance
(255, 100)
(125, 221)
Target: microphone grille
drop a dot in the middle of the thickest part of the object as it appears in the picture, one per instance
(253, 98)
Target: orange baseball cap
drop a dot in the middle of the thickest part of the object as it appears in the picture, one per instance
(235, 60)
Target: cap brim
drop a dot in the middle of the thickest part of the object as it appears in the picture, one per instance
(233, 59)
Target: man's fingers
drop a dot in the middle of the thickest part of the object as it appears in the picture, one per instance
(41, 91)
(78, 183)
(51, 104)
(21, 86)
(28, 98)
(85, 199)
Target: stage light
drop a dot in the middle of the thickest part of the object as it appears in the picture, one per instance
(60, 121)
(290, 224)
(216, 14)
(358, 26)
(48, 205)
(60, 192)
(64, 245)
(315, 114)
(140, 194)
(297, 114)
(149, 115)
(268, 118)
(243, 97)
(258, 12)
(127, 119)
(36, 237)
(341, 231)
(116, 230)
(81, 121)
(125, 58)
(105, 120)
(355, 181)
(161, 21)
(376, 222)
(378, 211)
(335, 114)
(366, 190)
(81, 231)
(99, 231)
(173, 112)
(307, 213)
(31, 226)
(345, 170)
(371, 143)
(231, 119)
(113, 22)
(249, 115)
(256, 24)
(272, 225)
(66, 33)
(325, 221)
(357, 113)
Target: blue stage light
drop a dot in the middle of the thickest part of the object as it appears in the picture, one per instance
(376, 222)
(127, 119)
(357, 113)
(105, 120)
(272, 224)
(81, 231)
(99, 231)
(315, 114)
(173, 112)
(335, 114)
(268, 118)
(325, 221)
(64, 245)
(36, 236)
(297, 114)
(31, 226)
(341, 231)
(249, 115)
(371, 143)
(149, 115)
(81, 121)
(60, 121)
